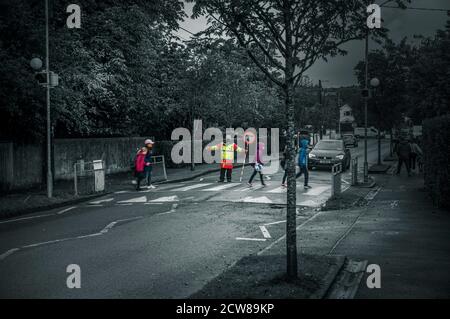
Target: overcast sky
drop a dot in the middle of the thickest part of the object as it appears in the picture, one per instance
(339, 70)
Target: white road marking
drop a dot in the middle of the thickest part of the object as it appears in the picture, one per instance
(25, 218)
(102, 201)
(251, 239)
(166, 199)
(141, 199)
(394, 204)
(220, 187)
(187, 188)
(278, 190)
(274, 223)
(265, 232)
(247, 188)
(261, 200)
(284, 236)
(38, 216)
(371, 195)
(101, 232)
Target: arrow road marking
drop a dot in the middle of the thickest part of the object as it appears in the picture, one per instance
(265, 232)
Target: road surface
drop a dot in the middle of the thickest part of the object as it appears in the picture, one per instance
(162, 243)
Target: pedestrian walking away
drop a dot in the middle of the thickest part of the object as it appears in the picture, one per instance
(403, 151)
(283, 165)
(258, 164)
(139, 164)
(227, 158)
(148, 162)
(416, 154)
(303, 159)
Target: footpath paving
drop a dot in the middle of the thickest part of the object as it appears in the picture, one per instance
(401, 231)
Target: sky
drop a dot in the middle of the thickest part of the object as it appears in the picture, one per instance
(339, 71)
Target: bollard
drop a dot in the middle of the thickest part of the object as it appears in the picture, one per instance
(336, 181)
(355, 171)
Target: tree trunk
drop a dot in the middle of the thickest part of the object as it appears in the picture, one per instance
(291, 231)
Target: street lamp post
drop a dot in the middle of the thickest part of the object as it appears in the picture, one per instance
(366, 74)
(374, 83)
(49, 150)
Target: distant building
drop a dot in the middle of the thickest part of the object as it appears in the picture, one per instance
(346, 119)
(346, 114)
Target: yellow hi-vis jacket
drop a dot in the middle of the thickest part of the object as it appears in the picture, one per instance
(227, 156)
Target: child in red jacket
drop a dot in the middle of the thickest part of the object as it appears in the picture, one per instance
(139, 164)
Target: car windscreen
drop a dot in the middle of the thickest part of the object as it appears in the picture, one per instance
(329, 146)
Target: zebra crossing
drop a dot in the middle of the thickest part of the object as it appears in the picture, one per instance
(273, 193)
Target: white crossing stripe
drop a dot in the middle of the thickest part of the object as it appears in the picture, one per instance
(187, 188)
(166, 199)
(247, 188)
(142, 199)
(278, 190)
(316, 190)
(220, 187)
(309, 203)
(261, 200)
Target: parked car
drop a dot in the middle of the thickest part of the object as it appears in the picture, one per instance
(350, 139)
(327, 153)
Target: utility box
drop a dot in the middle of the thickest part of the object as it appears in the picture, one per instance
(99, 175)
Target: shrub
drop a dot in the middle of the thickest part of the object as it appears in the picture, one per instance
(436, 148)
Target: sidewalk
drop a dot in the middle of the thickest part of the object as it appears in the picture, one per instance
(409, 239)
(34, 200)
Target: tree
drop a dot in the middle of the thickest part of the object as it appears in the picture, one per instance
(291, 36)
(390, 65)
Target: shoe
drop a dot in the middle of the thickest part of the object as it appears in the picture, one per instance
(249, 184)
(284, 185)
(151, 187)
(307, 187)
(264, 185)
(220, 181)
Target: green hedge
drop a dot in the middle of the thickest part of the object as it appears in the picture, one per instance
(436, 148)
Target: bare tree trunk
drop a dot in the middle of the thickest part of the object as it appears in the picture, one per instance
(291, 223)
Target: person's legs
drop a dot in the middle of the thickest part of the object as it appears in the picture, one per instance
(408, 167)
(138, 180)
(304, 168)
(283, 182)
(149, 176)
(251, 177)
(229, 171)
(413, 161)
(399, 165)
(222, 174)
(262, 178)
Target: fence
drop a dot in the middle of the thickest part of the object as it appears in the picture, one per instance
(23, 166)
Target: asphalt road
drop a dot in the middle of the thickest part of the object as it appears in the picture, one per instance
(162, 243)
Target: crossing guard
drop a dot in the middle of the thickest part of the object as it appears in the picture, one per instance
(227, 158)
